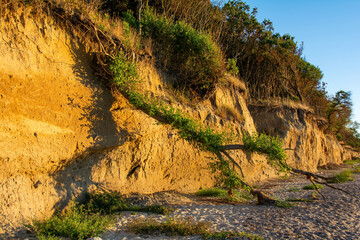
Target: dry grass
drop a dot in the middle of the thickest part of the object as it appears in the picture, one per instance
(230, 80)
(96, 29)
(229, 112)
(185, 227)
(283, 103)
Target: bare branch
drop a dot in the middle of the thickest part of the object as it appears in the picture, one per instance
(308, 174)
(233, 147)
(316, 188)
(339, 189)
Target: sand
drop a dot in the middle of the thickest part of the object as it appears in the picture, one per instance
(337, 218)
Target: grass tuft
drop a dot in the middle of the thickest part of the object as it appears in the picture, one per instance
(294, 189)
(352, 162)
(184, 227)
(356, 169)
(211, 192)
(109, 203)
(106, 203)
(344, 176)
(232, 235)
(311, 187)
(76, 223)
(239, 196)
(284, 204)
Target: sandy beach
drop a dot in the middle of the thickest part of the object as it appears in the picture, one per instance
(336, 218)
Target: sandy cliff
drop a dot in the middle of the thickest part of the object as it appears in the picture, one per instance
(308, 147)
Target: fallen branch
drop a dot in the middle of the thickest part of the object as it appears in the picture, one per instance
(316, 188)
(339, 189)
(308, 174)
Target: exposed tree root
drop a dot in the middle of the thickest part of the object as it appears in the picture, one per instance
(262, 198)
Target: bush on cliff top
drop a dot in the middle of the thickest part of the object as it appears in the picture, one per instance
(181, 48)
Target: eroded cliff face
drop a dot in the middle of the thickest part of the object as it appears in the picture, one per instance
(64, 132)
(308, 147)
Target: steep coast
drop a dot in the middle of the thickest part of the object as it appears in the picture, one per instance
(65, 131)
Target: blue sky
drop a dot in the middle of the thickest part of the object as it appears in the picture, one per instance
(330, 30)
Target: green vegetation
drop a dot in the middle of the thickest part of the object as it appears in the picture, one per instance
(294, 189)
(284, 204)
(183, 227)
(312, 187)
(268, 145)
(344, 176)
(356, 169)
(204, 137)
(182, 48)
(46, 237)
(238, 195)
(231, 67)
(352, 162)
(109, 203)
(106, 203)
(76, 223)
(231, 235)
(271, 64)
(171, 226)
(212, 192)
(90, 218)
(227, 178)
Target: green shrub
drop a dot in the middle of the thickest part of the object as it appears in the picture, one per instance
(239, 196)
(227, 178)
(344, 176)
(231, 66)
(181, 48)
(46, 237)
(112, 202)
(269, 146)
(76, 223)
(352, 162)
(157, 209)
(124, 71)
(107, 203)
(311, 187)
(212, 192)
